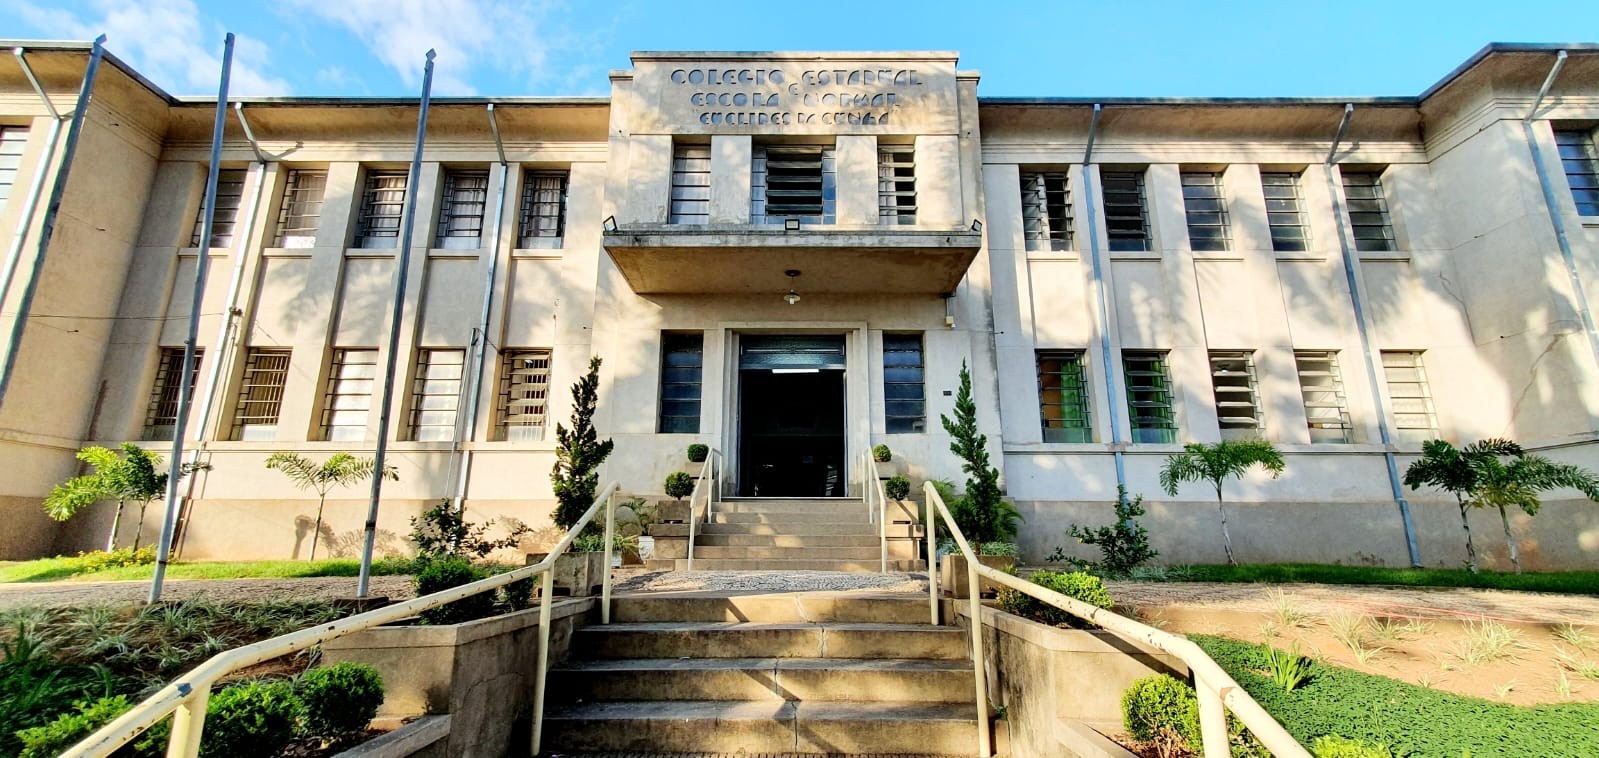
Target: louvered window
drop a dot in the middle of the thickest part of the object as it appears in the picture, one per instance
(1412, 399)
(896, 184)
(466, 195)
(301, 212)
(1322, 386)
(904, 393)
(436, 394)
(1581, 163)
(255, 415)
(1063, 396)
(1368, 211)
(1046, 210)
(793, 182)
(12, 141)
(161, 418)
(691, 185)
(524, 395)
(1232, 376)
(1149, 397)
(543, 209)
(230, 194)
(682, 366)
(1206, 208)
(348, 398)
(1126, 213)
(1285, 211)
(382, 206)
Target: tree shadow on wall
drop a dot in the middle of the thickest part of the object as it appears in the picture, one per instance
(331, 544)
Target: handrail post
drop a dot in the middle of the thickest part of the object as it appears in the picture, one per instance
(978, 669)
(188, 723)
(1212, 720)
(610, 540)
(547, 588)
(928, 535)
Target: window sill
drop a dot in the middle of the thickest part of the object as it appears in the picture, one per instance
(1383, 255)
(1054, 255)
(1302, 255)
(538, 252)
(455, 252)
(1135, 255)
(1217, 255)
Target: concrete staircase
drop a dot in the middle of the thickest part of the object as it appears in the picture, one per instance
(794, 673)
(782, 534)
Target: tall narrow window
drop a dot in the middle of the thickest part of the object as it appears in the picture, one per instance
(682, 364)
(436, 394)
(1046, 210)
(1368, 211)
(1149, 397)
(793, 182)
(230, 194)
(466, 195)
(1063, 396)
(382, 205)
(1581, 163)
(12, 140)
(1412, 400)
(1206, 208)
(904, 394)
(896, 184)
(255, 415)
(1232, 376)
(691, 185)
(161, 418)
(524, 395)
(348, 398)
(1285, 211)
(301, 213)
(543, 209)
(1322, 386)
(1126, 213)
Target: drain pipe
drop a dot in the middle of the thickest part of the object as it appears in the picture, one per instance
(30, 201)
(480, 334)
(1352, 276)
(1104, 302)
(1550, 203)
(52, 209)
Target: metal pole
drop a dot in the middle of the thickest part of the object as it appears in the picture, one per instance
(1352, 278)
(30, 201)
(1215, 742)
(188, 725)
(401, 273)
(1108, 371)
(975, 593)
(51, 210)
(546, 590)
(930, 534)
(180, 427)
(610, 539)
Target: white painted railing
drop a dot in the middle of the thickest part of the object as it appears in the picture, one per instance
(186, 698)
(872, 488)
(1217, 691)
(708, 483)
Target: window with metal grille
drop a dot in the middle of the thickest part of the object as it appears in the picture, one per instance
(382, 205)
(1126, 214)
(1206, 208)
(12, 140)
(543, 209)
(682, 364)
(230, 195)
(348, 398)
(301, 213)
(1046, 210)
(904, 393)
(1581, 163)
(793, 181)
(1285, 211)
(691, 185)
(896, 184)
(1232, 378)
(1368, 211)
(1149, 397)
(1322, 386)
(161, 419)
(1063, 396)
(436, 394)
(255, 415)
(1407, 390)
(466, 195)
(524, 395)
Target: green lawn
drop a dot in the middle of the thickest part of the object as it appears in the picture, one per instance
(67, 568)
(1569, 582)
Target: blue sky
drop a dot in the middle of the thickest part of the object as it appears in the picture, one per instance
(1287, 48)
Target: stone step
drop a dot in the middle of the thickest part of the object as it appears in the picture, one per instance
(786, 540)
(798, 529)
(785, 607)
(770, 726)
(784, 564)
(720, 516)
(768, 640)
(829, 508)
(749, 552)
(757, 679)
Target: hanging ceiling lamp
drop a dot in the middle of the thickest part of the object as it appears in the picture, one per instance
(793, 297)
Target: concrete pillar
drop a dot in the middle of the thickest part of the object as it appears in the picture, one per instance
(649, 180)
(856, 162)
(730, 179)
(938, 182)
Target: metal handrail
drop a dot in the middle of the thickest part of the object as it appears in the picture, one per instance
(186, 698)
(876, 484)
(707, 475)
(1216, 690)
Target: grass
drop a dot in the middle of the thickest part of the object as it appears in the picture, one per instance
(1566, 582)
(1351, 630)
(1487, 641)
(1286, 613)
(1573, 635)
(67, 569)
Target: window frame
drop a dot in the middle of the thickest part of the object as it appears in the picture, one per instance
(1375, 213)
(458, 226)
(1205, 208)
(432, 396)
(1164, 432)
(1068, 432)
(1235, 386)
(230, 199)
(535, 207)
(691, 179)
(917, 423)
(259, 403)
(1579, 160)
(1119, 235)
(1334, 388)
(826, 180)
(1423, 395)
(691, 422)
(368, 236)
(298, 229)
(1290, 206)
(165, 394)
(505, 422)
(1047, 224)
(13, 143)
(335, 388)
(896, 184)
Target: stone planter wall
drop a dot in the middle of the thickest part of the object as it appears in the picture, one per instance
(952, 574)
(576, 574)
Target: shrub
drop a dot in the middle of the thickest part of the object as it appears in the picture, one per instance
(37, 687)
(697, 453)
(882, 454)
(249, 720)
(1288, 668)
(339, 700)
(518, 595)
(1162, 710)
(1123, 545)
(443, 531)
(1333, 746)
(1079, 586)
(100, 560)
(897, 488)
(595, 543)
(679, 485)
(68, 729)
(448, 573)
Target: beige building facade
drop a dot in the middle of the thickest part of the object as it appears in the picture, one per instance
(1122, 276)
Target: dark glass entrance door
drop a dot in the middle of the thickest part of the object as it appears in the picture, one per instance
(791, 411)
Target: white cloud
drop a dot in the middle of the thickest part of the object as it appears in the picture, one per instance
(166, 41)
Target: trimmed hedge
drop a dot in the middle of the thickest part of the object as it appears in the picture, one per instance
(339, 700)
(1073, 584)
(251, 720)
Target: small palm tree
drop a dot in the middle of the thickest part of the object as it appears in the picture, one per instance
(126, 476)
(339, 470)
(1216, 463)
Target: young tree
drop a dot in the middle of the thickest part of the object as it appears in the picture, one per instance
(578, 453)
(339, 470)
(110, 479)
(987, 520)
(1216, 463)
(141, 484)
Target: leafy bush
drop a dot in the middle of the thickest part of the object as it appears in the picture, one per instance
(1333, 746)
(448, 573)
(679, 485)
(251, 720)
(518, 595)
(882, 454)
(69, 729)
(1289, 668)
(100, 560)
(1080, 586)
(443, 532)
(595, 543)
(697, 453)
(1162, 710)
(37, 688)
(1123, 545)
(339, 700)
(897, 488)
